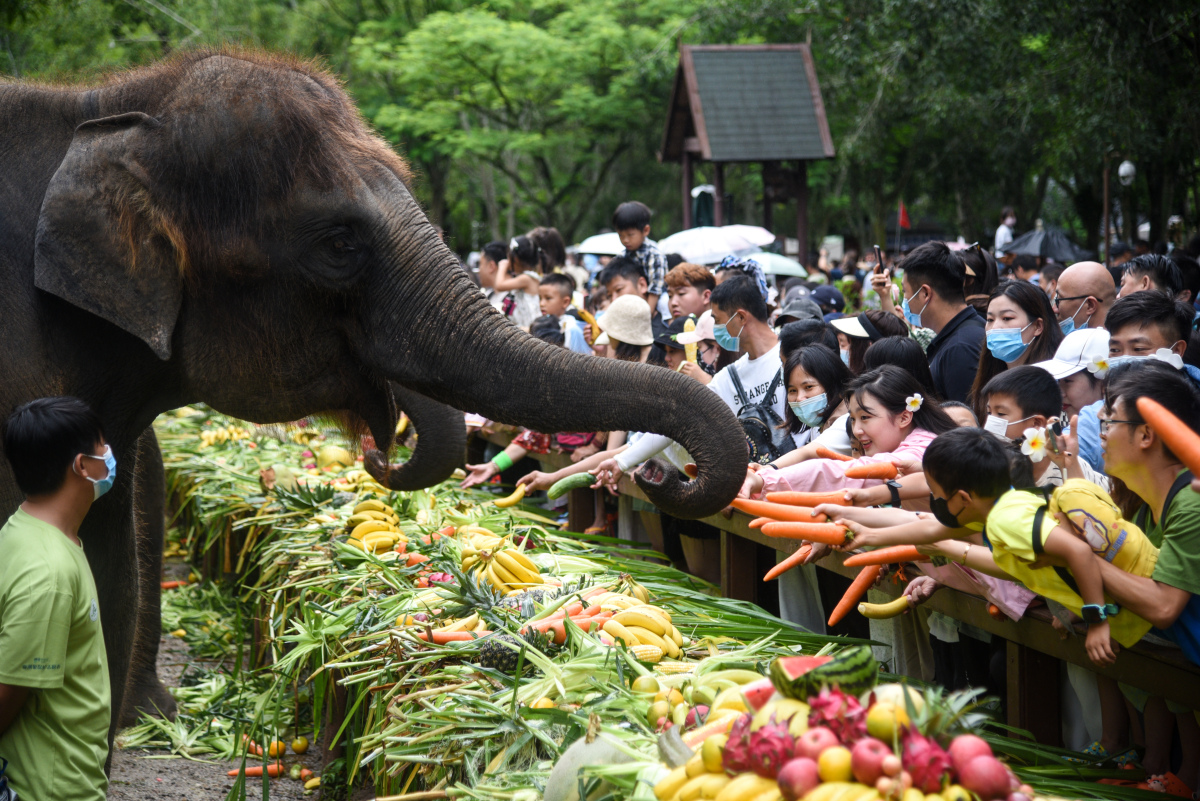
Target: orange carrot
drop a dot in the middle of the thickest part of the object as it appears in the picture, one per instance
(443, 637)
(887, 556)
(777, 511)
(594, 591)
(416, 559)
(884, 470)
(837, 497)
(273, 770)
(1182, 441)
(171, 585)
(787, 564)
(569, 610)
(825, 453)
(759, 521)
(858, 588)
(828, 533)
(448, 531)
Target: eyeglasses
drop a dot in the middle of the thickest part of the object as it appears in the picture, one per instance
(1107, 424)
(1059, 298)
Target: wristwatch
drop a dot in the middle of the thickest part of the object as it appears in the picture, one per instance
(894, 487)
(1096, 613)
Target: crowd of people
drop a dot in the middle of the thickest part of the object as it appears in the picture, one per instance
(1004, 393)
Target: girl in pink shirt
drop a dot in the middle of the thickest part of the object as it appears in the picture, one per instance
(891, 419)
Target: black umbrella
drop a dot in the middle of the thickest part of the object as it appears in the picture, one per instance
(1048, 243)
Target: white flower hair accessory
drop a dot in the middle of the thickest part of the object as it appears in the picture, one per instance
(913, 402)
(1034, 445)
(1169, 356)
(1099, 368)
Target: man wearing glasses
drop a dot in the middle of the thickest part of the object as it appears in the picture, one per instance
(1084, 294)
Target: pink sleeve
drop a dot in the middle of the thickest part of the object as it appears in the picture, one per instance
(820, 475)
(1012, 598)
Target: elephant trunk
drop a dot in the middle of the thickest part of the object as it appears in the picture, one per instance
(454, 347)
(442, 440)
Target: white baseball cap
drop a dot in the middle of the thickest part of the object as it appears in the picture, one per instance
(1077, 350)
(704, 330)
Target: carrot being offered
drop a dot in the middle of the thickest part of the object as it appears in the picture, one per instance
(777, 511)
(887, 556)
(858, 588)
(793, 560)
(884, 470)
(825, 453)
(837, 498)
(827, 533)
(1182, 441)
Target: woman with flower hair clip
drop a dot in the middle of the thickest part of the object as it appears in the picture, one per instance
(889, 416)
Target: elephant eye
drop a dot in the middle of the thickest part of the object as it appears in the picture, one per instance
(342, 245)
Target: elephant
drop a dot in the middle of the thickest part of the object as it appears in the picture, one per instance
(222, 227)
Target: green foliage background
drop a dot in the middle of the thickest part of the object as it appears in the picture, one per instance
(518, 113)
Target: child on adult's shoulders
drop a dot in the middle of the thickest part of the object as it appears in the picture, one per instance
(632, 223)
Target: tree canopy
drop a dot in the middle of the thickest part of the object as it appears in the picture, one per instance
(518, 113)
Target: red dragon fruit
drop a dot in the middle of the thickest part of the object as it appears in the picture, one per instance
(926, 761)
(840, 713)
(441, 578)
(736, 758)
(770, 747)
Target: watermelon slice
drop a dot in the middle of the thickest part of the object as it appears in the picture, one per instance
(757, 693)
(853, 669)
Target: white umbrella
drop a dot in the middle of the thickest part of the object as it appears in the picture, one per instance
(776, 264)
(604, 244)
(752, 233)
(707, 244)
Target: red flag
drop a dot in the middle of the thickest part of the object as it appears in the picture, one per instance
(904, 223)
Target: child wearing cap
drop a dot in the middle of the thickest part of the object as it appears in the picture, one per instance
(1076, 366)
(856, 334)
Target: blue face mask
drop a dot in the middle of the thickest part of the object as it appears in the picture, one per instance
(845, 357)
(726, 340)
(1068, 325)
(1115, 360)
(1006, 343)
(914, 318)
(809, 411)
(103, 485)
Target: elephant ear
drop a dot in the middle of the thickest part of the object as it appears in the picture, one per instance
(101, 245)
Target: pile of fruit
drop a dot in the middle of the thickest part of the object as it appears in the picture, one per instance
(818, 729)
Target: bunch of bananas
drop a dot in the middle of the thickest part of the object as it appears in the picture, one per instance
(213, 436)
(628, 586)
(472, 622)
(362, 481)
(502, 566)
(635, 623)
(374, 526)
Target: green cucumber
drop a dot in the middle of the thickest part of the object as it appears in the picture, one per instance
(577, 481)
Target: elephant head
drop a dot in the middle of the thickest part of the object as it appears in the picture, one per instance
(234, 214)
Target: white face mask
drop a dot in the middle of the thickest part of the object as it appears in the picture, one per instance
(999, 426)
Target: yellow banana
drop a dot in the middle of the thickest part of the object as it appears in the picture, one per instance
(670, 785)
(507, 558)
(695, 765)
(369, 527)
(374, 505)
(512, 500)
(470, 562)
(618, 632)
(730, 699)
(463, 624)
(884, 611)
(690, 791)
(637, 617)
(506, 578)
(480, 626)
(489, 573)
(356, 543)
(658, 611)
(745, 787)
(645, 636)
(713, 784)
(525, 561)
(771, 794)
(677, 636)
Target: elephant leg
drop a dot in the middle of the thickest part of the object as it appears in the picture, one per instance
(144, 692)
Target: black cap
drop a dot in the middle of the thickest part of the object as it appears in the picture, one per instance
(667, 338)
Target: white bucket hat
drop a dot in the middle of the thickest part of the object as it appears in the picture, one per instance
(1077, 350)
(627, 320)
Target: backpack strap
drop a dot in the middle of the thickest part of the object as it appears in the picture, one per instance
(1039, 517)
(1184, 479)
(737, 385)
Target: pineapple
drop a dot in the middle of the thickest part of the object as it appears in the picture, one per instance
(494, 653)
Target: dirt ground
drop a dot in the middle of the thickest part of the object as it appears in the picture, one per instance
(135, 777)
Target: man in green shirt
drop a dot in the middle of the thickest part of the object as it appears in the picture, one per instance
(54, 692)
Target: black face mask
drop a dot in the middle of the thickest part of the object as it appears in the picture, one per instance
(941, 510)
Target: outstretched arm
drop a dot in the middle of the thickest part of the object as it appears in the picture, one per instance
(1159, 603)
(1077, 555)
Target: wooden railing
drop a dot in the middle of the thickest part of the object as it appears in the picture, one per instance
(1034, 646)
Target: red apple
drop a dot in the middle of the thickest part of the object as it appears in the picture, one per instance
(985, 776)
(866, 759)
(966, 747)
(814, 741)
(798, 777)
